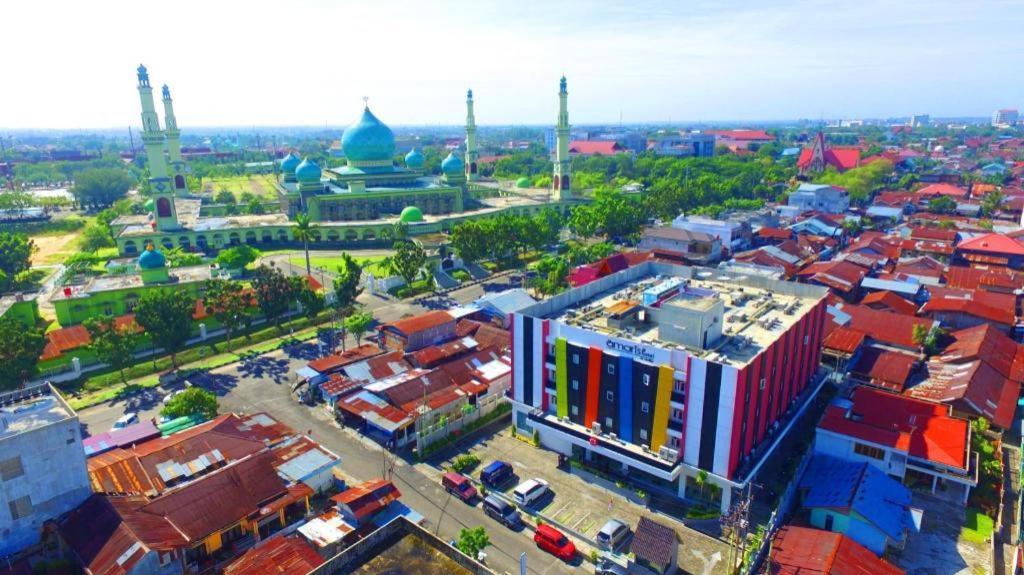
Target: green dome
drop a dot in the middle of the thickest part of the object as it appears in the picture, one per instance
(411, 214)
(150, 205)
(152, 258)
(523, 182)
(368, 140)
(308, 172)
(289, 163)
(414, 159)
(452, 165)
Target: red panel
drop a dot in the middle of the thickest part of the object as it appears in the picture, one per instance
(798, 360)
(544, 328)
(755, 380)
(593, 385)
(686, 408)
(770, 380)
(738, 412)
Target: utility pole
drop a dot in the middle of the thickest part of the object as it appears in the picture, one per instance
(737, 522)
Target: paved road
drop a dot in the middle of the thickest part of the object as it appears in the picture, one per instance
(262, 384)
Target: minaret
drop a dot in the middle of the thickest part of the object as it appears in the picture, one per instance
(153, 138)
(174, 144)
(471, 153)
(562, 176)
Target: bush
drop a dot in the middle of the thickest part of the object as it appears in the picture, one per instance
(465, 462)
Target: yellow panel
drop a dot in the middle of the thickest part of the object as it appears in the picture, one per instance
(659, 427)
(213, 542)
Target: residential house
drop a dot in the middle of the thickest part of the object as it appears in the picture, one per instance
(804, 551)
(278, 556)
(417, 332)
(842, 277)
(888, 328)
(497, 307)
(681, 245)
(734, 234)
(858, 500)
(991, 249)
(888, 301)
(918, 442)
(820, 198)
(655, 547)
(883, 368)
(595, 148)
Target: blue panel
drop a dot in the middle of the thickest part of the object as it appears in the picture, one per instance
(626, 398)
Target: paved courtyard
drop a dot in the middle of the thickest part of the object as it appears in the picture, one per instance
(584, 507)
(938, 549)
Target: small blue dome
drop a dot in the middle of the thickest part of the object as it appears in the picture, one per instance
(414, 159)
(452, 165)
(152, 258)
(289, 163)
(307, 172)
(369, 139)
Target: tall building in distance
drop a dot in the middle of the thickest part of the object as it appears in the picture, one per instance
(1005, 118)
(562, 179)
(664, 371)
(174, 144)
(42, 464)
(153, 138)
(472, 155)
(920, 120)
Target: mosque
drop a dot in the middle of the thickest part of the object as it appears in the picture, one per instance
(352, 204)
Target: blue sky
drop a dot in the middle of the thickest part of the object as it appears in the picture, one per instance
(308, 62)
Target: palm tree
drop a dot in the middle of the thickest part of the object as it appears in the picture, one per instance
(305, 230)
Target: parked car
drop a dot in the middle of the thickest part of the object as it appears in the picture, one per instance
(171, 395)
(502, 511)
(458, 485)
(612, 534)
(529, 491)
(126, 420)
(605, 566)
(551, 540)
(496, 473)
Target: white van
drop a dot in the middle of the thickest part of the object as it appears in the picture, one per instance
(530, 491)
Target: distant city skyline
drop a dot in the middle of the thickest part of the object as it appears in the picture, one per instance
(310, 62)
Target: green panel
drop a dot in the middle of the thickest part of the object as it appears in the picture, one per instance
(561, 379)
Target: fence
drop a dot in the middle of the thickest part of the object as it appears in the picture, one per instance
(457, 421)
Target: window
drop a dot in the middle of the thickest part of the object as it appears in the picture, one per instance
(575, 359)
(647, 379)
(11, 468)
(575, 385)
(21, 507)
(643, 435)
(609, 395)
(830, 522)
(611, 369)
(673, 441)
(575, 410)
(761, 384)
(608, 423)
(165, 558)
(644, 407)
(868, 451)
(807, 339)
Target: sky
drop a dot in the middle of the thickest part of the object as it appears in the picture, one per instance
(71, 64)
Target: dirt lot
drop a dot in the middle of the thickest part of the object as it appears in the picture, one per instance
(52, 249)
(585, 507)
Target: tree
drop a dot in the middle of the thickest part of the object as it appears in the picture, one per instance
(229, 304)
(473, 541)
(552, 275)
(942, 205)
(274, 292)
(357, 324)
(19, 354)
(929, 340)
(304, 230)
(255, 207)
(701, 480)
(15, 256)
(97, 188)
(346, 282)
(167, 318)
(311, 300)
(991, 202)
(583, 221)
(95, 236)
(192, 401)
(408, 260)
(237, 257)
(224, 196)
(470, 241)
(113, 345)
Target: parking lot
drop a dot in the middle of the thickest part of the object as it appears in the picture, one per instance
(584, 507)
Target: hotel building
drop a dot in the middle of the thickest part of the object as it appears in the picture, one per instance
(660, 371)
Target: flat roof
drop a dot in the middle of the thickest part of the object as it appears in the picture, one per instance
(31, 408)
(755, 311)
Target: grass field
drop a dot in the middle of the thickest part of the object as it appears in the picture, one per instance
(978, 527)
(55, 240)
(262, 186)
(331, 262)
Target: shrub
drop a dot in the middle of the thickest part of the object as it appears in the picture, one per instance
(465, 462)
(536, 437)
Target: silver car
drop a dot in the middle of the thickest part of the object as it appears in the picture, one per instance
(612, 534)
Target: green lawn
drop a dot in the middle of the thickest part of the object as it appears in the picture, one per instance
(331, 262)
(262, 186)
(978, 527)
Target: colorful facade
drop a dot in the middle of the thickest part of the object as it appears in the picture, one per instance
(670, 383)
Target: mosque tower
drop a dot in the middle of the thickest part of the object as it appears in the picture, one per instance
(174, 144)
(471, 153)
(562, 175)
(153, 138)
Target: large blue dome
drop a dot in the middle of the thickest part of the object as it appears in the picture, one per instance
(414, 159)
(452, 165)
(307, 172)
(151, 258)
(289, 163)
(369, 139)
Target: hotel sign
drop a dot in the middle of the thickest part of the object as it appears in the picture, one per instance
(636, 350)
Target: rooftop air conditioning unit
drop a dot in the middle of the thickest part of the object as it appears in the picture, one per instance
(668, 454)
(612, 436)
(645, 448)
(596, 428)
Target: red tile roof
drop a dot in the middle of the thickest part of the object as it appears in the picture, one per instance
(805, 551)
(341, 359)
(883, 326)
(775, 233)
(595, 148)
(974, 386)
(893, 199)
(990, 345)
(749, 135)
(422, 322)
(841, 159)
(922, 429)
(886, 300)
(1005, 316)
(843, 340)
(74, 337)
(836, 274)
(942, 190)
(884, 368)
(992, 244)
(923, 266)
(992, 279)
(278, 556)
(933, 233)
(368, 498)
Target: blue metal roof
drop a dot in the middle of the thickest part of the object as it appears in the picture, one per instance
(859, 487)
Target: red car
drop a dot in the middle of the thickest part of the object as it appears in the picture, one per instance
(551, 540)
(458, 485)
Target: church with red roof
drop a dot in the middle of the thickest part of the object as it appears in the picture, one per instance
(820, 155)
